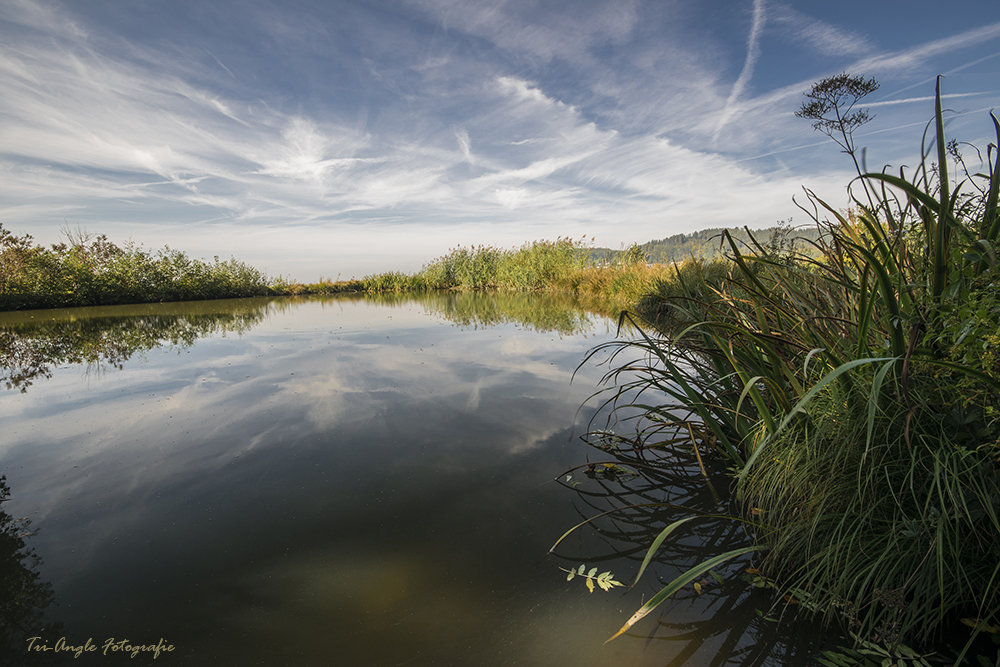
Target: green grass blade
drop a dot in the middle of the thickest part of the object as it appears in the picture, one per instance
(612, 511)
(664, 534)
(991, 219)
(679, 583)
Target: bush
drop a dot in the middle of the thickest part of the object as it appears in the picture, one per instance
(94, 271)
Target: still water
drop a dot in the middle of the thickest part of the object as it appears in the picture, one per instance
(344, 481)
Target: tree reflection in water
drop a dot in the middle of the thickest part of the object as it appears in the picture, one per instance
(626, 496)
(32, 343)
(103, 338)
(23, 595)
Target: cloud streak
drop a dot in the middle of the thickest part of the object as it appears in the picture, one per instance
(753, 54)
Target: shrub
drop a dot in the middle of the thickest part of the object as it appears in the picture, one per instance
(95, 271)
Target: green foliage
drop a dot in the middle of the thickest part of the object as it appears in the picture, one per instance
(535, 266)
(391, 282)
(873, 654)
(854, 386)
(95, 271)
(285, 287)
(605, 579)
(679, 583)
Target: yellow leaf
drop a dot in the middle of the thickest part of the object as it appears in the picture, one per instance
(697, 588)
(590, 585)
(977, 623)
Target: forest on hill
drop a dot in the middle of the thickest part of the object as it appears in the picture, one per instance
(707, 243)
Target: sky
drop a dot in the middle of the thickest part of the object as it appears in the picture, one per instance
(337, 139)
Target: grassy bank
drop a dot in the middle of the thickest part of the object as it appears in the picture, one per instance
(90, 271)
(856, 389)
(563, 265)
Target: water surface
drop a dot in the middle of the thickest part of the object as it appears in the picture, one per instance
(341, 481)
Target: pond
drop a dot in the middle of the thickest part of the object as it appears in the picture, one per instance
(344, 481)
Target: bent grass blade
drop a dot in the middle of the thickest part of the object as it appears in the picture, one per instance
(679, 583)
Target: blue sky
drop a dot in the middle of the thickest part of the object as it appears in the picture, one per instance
(345, 138)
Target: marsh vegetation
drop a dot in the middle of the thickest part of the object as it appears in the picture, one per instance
(854, 389)
(88, 270)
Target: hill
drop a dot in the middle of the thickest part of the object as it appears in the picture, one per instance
(707, 243)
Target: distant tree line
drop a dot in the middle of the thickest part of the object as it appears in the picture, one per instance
(707, 243)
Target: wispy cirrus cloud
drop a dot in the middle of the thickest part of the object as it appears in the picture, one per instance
(929, 98)
(909, 58)
(768, 115)
(753, 54)
(819, 36)
(526, 30)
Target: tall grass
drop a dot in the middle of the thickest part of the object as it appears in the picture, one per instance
(620, 284)
(535, 266)
(856, 389)
(561, 265)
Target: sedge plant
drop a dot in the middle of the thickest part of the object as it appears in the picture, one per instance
(855, 389)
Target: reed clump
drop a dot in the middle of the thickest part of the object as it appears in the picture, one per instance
(535, 266)
(855, 388)
(618, 284)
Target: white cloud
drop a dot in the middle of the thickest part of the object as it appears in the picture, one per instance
(928, 98)
(464, 144)
(822, 37)
(520, 28)
(41, 17)
(509, 198)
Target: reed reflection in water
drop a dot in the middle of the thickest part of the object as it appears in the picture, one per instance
(626, 494)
